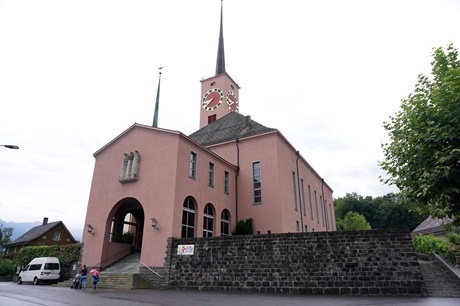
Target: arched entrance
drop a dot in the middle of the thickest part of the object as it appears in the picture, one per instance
(127, 223)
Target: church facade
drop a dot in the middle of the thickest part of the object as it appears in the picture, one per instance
(150, 183)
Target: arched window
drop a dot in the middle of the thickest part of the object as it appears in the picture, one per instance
(129, 229)
(188, 218)
(208, 221)
(225, 223)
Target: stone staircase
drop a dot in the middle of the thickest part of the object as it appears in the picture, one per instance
(438, 282)
(128, 264)
(124, 274)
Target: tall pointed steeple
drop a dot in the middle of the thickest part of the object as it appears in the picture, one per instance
(220, 65)
(157, 103)
(219, 93)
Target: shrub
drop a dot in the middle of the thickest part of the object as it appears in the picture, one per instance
(7, 267)
(454, 238)
(127, 238)
(429, 244)
(243, 227)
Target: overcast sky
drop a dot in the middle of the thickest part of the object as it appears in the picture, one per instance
(326, 74)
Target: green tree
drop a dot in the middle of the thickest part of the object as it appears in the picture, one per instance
(385, 212)
(422, 157)
(5, 237)
(354, 221)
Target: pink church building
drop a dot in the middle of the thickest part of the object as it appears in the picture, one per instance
(150, 183)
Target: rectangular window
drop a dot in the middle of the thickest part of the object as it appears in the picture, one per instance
(297, 225)
(256, 182)
(303, 198)
(192, 165)
(56, 237)
(325, 214)
(306, 228)
(330, 212)
(321, 204)
(295, 191)
(211, 175)
(51, 266)
(35, 267)
(226, 182)
(311, 206)
(212, 118)
(317, 211)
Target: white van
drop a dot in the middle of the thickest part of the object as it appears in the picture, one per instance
(41, 269)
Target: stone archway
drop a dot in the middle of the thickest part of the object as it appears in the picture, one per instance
(127, 224)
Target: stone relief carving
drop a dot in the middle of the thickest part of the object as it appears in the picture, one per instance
(129, 168)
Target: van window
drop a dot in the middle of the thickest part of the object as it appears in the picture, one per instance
(51, 266)
(35, 267)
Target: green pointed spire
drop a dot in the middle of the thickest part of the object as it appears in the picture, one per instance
(157, 103)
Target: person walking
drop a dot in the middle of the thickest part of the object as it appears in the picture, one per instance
(95, 274)
(83, 277)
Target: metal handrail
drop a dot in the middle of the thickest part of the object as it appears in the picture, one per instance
(450, 267)
(150, 269)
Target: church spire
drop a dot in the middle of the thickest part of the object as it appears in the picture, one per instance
(220, 65)
(157, 103)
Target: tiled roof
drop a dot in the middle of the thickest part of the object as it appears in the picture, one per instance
(34, 233)
(230, 127)
(431, 226)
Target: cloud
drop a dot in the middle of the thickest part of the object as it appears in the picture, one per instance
(74, 75)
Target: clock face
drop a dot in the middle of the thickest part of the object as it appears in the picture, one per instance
(232, 101)
(212, 99)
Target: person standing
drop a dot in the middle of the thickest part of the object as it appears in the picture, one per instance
(83, 277)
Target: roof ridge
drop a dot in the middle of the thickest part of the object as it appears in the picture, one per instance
(230, 127)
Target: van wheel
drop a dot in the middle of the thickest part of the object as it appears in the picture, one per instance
(19, 281)
(35, 281)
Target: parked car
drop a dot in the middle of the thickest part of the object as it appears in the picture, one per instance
(41, 269)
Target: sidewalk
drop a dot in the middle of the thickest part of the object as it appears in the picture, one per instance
(211, 298)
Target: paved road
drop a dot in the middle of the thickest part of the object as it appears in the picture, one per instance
(30, 295)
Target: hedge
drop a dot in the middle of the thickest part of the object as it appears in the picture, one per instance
(66, 254)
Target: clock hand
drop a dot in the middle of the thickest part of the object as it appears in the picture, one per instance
(206, 103)
(231, 102)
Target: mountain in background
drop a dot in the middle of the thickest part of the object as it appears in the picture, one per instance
(21, 228)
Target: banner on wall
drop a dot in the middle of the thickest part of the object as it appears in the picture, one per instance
(185, 249)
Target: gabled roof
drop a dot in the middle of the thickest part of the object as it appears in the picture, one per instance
(431, 226)
(135, 125)
(230, 127)
(37, 232)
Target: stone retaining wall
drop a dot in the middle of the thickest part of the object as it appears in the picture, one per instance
(339, 263)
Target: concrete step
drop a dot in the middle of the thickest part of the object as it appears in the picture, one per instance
(125, 281)
(437, 281)
(124, 274)
(128, 264)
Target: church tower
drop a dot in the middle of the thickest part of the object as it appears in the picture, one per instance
(219, 94)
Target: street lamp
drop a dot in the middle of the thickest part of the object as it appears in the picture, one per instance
(10, 146)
